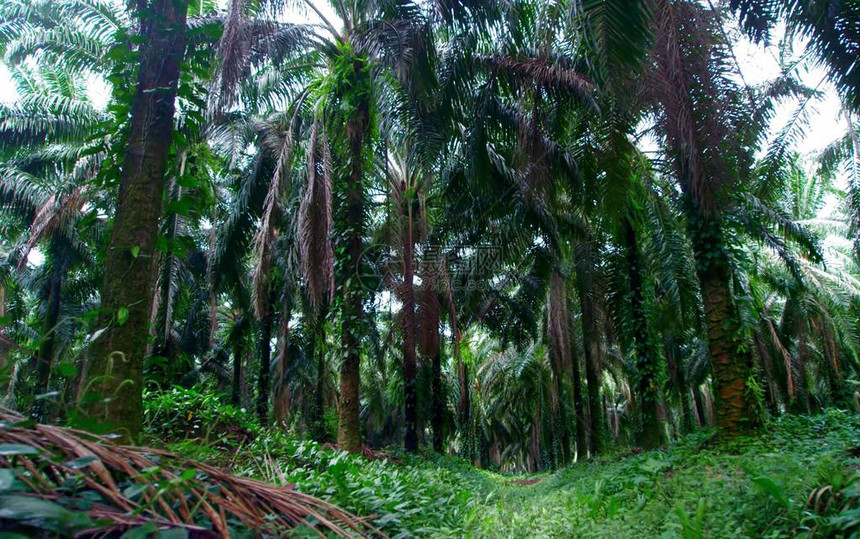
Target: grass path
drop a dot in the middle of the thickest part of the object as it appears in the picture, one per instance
(752, 488)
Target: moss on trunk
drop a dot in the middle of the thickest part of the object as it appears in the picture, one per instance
(115, 374)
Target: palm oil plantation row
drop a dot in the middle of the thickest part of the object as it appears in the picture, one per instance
(525, 233)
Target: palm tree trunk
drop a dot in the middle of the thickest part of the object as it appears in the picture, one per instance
(60, 262)
(348, 430)
(801, 403)
(772, 387)
(116, 360)
(438, 412)
(647, 364)
(576, 382)
(429, 343)
(534, 447)
(264, 378)
(238, 360)
(409, 361)
(163, 309)
(2, 314)
(316, 352)
(281, 408)
(463, 406)
(699, 407)
(731, 363)
(680, 386)
(591, 339)
(578, 406)
(558, 322)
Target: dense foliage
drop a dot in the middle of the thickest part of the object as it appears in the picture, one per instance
(527, 234)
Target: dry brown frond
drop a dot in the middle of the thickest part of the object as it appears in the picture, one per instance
(315, 221)
(164, 496)
(541, 71)
(50, 216)
(268, 224)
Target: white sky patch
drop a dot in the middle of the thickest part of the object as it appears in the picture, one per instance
(35, 257)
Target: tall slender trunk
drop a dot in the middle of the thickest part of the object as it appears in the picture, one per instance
(647, 364)
(60, 262)
(316, 352)
(213, 293)
(558, 324)
(591, 340)
(680, 385)
(409, 361)
(2, 314)
(438, 412)
(578, 405)
(172, 369)
(281, 407)
(264, 378)
(853, 185)
(534, 447)
(348, 429)
(731, 361)
(801, 403)
(699, 407)
(319, 398)
(772, 387)
(116, 360)
(576, 382)
(464, 405)
(429, 344)
(238, 360)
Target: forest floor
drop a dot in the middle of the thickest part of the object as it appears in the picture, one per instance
(800, 477)
(768, 486)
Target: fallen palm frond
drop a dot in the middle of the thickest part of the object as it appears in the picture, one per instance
(116, 488)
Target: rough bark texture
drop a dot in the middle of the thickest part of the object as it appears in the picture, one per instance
(348, 429)
(116, 361)
(731, 363)
(731, 360)
(647, 363)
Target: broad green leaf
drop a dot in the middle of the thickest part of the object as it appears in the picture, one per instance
(17, 449)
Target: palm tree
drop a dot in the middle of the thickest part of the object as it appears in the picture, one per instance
(44, 176)
(684, 83)
(116, 362)
(826, 26)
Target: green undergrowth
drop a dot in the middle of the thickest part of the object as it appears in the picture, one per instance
(755, 487)
(798, 478)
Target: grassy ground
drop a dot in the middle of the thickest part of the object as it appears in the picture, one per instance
(799, 478)
(752, 488)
